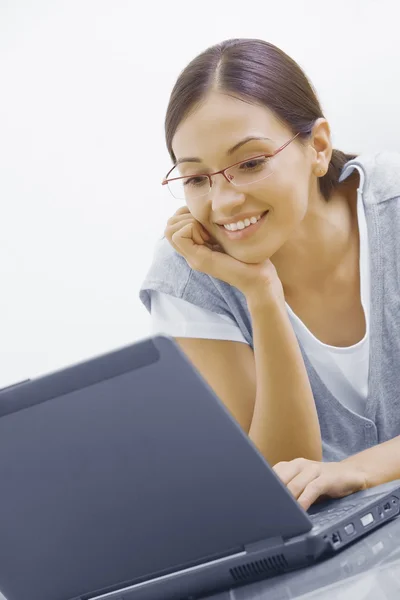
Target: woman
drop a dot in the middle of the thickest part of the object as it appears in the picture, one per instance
(279, 276)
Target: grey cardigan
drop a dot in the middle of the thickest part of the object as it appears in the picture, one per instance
(343, 431)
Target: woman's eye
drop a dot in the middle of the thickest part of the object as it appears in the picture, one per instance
(254, 163)
(196, 181)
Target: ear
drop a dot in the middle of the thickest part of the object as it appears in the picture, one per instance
(320, 140)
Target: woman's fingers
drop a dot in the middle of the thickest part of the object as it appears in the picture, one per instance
(298, 484)
(176, 219)
(182, 210)
(177, 224)
(310, 480)
(180, 215)
(187, 239)
(316, 488)
(286, 471)
(197, 234)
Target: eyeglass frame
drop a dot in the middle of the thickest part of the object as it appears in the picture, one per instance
(165, 181)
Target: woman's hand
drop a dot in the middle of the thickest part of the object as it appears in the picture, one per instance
(310, 480)
(190, 239)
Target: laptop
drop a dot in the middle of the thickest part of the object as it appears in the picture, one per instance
(124, 477)
(373, 557)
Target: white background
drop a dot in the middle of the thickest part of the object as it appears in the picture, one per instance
(84, 86)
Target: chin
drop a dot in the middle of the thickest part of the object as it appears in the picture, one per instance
(251, 257)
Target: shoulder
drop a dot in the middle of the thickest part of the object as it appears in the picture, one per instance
(170, 267)
(381, 175)
(385, 180)
(170, 273)
(171, 270)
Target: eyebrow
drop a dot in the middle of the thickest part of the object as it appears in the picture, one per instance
(229, 152)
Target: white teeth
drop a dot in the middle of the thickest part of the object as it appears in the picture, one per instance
(242, 224)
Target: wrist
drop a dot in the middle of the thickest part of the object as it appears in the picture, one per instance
(364, 477)
(260, 298)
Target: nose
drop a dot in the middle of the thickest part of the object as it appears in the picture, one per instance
(224, 196)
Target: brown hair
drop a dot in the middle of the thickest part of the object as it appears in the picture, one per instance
(259, 72)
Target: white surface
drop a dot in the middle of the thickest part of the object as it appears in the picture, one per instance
(84, 87)
(343, 370)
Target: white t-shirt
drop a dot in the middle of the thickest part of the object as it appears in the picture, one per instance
(344, 371)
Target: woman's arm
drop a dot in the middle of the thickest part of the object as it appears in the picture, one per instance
(285, 423)
(309, 480)
(267, 390)
(379, 464)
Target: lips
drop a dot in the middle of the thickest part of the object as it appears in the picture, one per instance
(246, 232)
(258, 216)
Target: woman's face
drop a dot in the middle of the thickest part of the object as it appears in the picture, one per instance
(218, 124)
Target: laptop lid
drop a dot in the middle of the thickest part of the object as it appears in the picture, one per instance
(123, 468)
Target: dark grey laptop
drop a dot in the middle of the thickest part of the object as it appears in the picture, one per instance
(124, 477)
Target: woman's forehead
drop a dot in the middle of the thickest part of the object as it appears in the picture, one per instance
(221, 121)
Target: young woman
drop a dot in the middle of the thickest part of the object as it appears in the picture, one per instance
(280, 275)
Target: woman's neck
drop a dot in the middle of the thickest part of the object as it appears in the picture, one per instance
(324, 251)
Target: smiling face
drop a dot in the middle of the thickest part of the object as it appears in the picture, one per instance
(209, 133)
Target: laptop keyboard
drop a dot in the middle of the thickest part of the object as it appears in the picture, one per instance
(334, 514)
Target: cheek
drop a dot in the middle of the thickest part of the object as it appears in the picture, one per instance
(290, 214)
(198, 211)
(292, 175)
(290, 200)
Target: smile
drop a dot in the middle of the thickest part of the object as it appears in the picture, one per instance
(243, 229)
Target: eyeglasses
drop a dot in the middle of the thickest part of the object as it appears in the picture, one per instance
(241, 173)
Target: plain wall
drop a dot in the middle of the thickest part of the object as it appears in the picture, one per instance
(84, 86)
